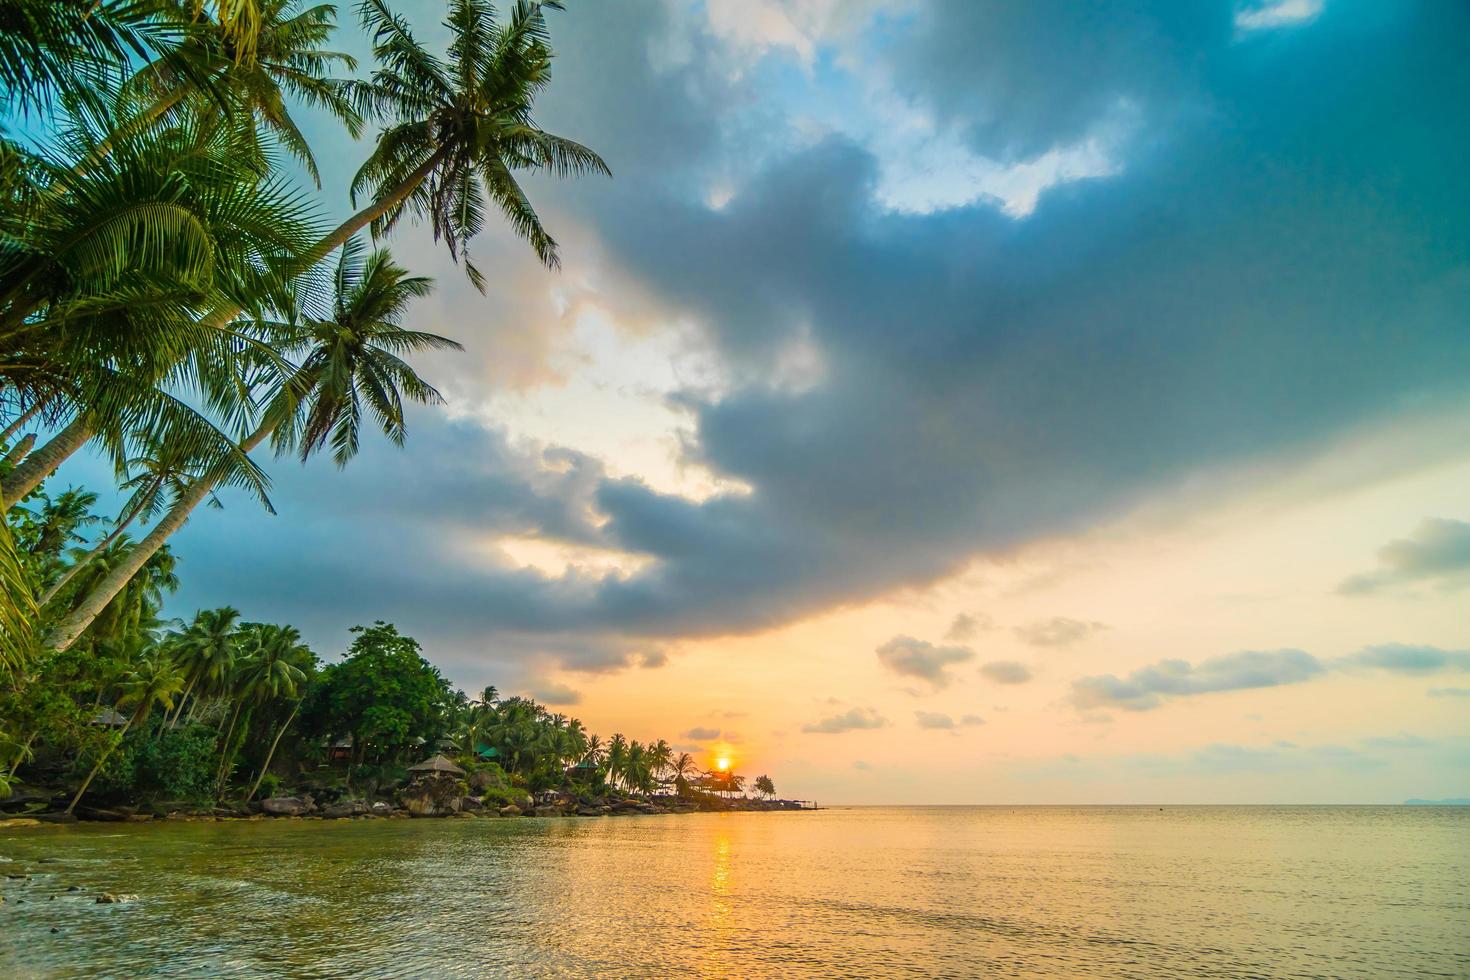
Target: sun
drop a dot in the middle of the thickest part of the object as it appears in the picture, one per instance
(722, 763)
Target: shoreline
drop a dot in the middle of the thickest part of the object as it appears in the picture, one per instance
(305, 808)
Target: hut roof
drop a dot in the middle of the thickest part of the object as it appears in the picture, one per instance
(437, 764)
(110, 717)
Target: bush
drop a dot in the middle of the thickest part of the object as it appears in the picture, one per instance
(178, 764)
(270, 785)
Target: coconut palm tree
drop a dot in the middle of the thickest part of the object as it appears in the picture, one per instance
(153, 682)
(205, 652)
(457, 131)
(682, 766)
(349, 363)
(765, 787)
(160, 474)
(289, 60)
(281, 671)
(616, 758)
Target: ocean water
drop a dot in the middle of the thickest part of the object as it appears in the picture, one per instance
(864, 892)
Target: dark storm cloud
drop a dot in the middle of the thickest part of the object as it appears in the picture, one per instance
(1438, 551)
(1149, 687)
(1282, 256)
(987, 380)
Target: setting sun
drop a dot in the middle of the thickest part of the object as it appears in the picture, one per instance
(722, 763)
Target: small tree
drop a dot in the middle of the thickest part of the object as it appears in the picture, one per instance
(765, 787)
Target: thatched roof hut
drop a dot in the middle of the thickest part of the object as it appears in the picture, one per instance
(437, 764)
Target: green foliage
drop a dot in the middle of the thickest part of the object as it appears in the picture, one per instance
(176, 764)
(384, 694)
(270, 785)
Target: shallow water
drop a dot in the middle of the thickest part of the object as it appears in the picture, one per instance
(916, 891)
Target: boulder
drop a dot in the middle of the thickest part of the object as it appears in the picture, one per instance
(433, 795)
(547, 810)
(510, 810)
(381, 809)
(472, 803)
(464, 815)
(345, 808)
(286, 806)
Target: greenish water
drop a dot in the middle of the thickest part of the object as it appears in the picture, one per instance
(1067, 892)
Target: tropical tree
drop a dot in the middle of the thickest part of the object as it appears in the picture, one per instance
(349, 363)
(275, 668)
(765, 787)
(682, 767)
(205, 652)
(289, 59)
(153, 682)
(457, 131)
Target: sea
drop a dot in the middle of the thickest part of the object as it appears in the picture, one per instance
(1147, 892)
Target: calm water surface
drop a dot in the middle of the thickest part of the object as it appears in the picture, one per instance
(956, 892)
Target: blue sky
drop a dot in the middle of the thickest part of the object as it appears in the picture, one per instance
(1106, 365)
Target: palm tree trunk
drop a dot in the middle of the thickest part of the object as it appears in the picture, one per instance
(271, 754)
(372, 212)
(44, 461)
(133, 126)
(224, 755)
(67, 631)
(21, 449)
(182, 698)
(21, 755)
(29, 414)
(101, 759)
(87, 559)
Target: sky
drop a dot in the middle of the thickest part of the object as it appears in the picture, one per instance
(947, 401)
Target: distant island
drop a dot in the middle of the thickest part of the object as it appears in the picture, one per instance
(1457, 801)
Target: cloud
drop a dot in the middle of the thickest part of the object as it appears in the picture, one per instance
(553, 693)
(1437, 551)
(1006, 672)
(967, 626)
(919, 658)
(971, 720)
(701, 734)
(1449, 692)
(1400, 658)
(852, 720)
(1267, 14)
(934, 719)
(861, 766)
(1149, 687)
(1185, 313)
(1059, 631)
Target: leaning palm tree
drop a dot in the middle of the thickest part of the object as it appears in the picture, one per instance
(457, 131)
(456, 134)
(155, 681)
(349, 366)
(158, 475)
